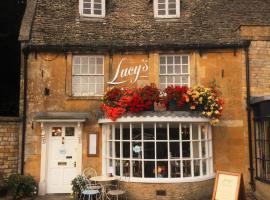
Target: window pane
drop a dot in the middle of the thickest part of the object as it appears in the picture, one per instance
(76, 60)
(126, 168)
(196, 164)
(203, 149)
(56, 131)
(196, 150)
(161, 131)
(126, 150)
(170, 80)
(177, 69)
(137, 168)
(97, 12)
(149, 150)
(161, 12)
(185, 132)
(149, 169)
(87, 11)
(126, 131)
(186, 149)
(170, 69)
(76, 69)
(162, 169)
(137, 149)
(99, 88)
(117, 149)
(203, 132)
(195, 134)
(162, 150)
(162, 79)
(204, 167)
(174, 150)
(136, 131)
(186, 168)
(184, 59)
(184, 69)
(149, 131)
(172, 12)
(117, 132)
(162, 60)
(174, 131)
(69, 131)
(84, 69)
(169, 60)
(161, 6)
(162, 69)
(117, 167)
(175, 169)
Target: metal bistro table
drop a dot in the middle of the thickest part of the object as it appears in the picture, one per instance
(103, 180)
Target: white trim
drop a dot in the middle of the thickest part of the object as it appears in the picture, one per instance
(156, 15)
(170, 180)
(154, 119)
(59, 120)
(103, 10)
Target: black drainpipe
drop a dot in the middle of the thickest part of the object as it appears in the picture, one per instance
(25, 85)
(251, 168)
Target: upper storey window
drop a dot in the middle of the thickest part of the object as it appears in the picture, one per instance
(167, 8)
(92, 8)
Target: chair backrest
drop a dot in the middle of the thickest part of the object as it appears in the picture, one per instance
(89, 172)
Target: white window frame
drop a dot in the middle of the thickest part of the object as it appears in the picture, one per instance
(107, 168)
(103, 10)
(174, 74)
(87, 74)
(177, 15)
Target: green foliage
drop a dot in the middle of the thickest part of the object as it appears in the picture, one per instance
(76, 183)
(3, 185)
(22, 186)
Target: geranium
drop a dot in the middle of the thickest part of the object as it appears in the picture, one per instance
(177, 94)
(118, 101)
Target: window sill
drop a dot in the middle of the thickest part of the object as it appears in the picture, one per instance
(90, 19)
(84, 98)
(170, 180)
(173, 19)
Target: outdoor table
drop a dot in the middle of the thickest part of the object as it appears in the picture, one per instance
(103, 180)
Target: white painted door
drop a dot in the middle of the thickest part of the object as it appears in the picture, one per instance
(63, 159)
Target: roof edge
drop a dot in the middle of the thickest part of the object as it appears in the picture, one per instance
(27, 21)
(126, 47)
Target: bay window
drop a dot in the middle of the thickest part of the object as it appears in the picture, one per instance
(162, 151)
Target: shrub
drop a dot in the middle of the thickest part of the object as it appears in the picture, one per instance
(22, 186)
(3, 185)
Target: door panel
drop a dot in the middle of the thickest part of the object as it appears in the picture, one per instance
(63, 156)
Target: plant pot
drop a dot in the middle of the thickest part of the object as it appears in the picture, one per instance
(173, 106)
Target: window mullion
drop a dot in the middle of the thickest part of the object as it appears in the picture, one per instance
(142, 140)
(200, 149)
(121, 149)
(209, 155)
(130, 151)
(191, 150)
(181, 150)
(113, 149)
(168, 150)
(155, 132)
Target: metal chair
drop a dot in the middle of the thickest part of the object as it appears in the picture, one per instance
(116, 190)
(89, 172)
(87, 190)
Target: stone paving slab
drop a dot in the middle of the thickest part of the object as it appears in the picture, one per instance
(249, 196)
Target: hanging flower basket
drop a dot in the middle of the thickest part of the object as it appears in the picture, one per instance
(118, 101)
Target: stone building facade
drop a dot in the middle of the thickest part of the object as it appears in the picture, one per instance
(9, 145)
(65, 42)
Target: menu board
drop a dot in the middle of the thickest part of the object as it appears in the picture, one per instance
(227, 185)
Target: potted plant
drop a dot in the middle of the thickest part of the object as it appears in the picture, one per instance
(175, 97)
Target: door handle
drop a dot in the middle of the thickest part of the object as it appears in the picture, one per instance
(75, 164)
